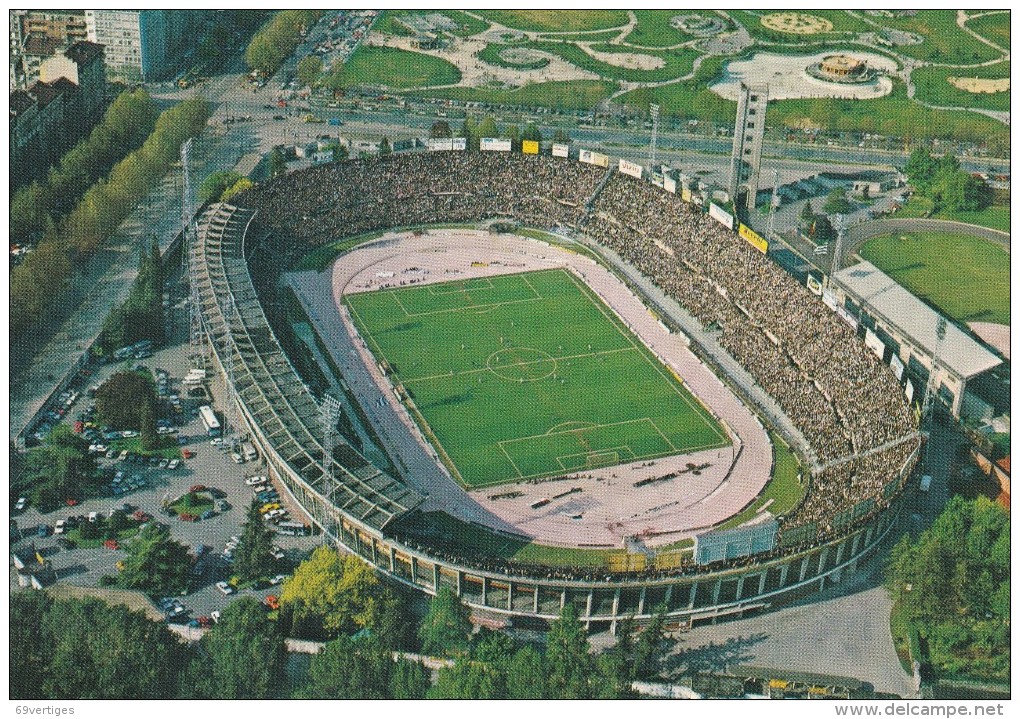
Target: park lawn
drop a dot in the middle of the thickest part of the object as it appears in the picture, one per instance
(894, 115)
(677, 62)
(556, 20)
(527, 376)
(491, 54)
(563, 95)
(687, 98)
(933, 86)
(400, 69)
(466, 24)
(134, 445)
(944, 40)
(992, 27)
(965, 277)
(653, 29)
(842, 23)
(996, 217)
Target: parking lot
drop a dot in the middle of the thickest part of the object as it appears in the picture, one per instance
(155, 486)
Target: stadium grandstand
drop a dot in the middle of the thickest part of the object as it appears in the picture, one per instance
(858, 432)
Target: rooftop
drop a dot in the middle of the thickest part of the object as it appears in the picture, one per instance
(963, 355)
(84, 52)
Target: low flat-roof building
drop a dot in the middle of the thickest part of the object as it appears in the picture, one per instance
(907, 328)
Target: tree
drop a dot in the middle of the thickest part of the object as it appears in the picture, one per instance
(120, 399)
(60, 469)
(253, 557)
(531, 132)
(487, 127)
(277, 163)
(446, 626)
(408, 680)
(561, 135)
(466, 679)
(309, 69)
(440, 128)
(961, 192)
(569, 666)
(526, 675)
(649, 645)
(349, 669)
(821, 229)
(837, 203)
(147, 426)
(245, 653)
(96, 651)
(155, 563)
(332, 594)
(237, 188)
(384, 146)
(30, 662)
(215, 183)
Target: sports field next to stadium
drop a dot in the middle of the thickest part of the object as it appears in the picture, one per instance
(527, 376)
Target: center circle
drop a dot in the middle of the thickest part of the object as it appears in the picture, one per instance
(521, 364)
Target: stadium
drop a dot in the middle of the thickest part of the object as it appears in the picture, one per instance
(588, 389)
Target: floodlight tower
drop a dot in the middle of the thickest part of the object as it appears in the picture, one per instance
(329, 416)
(837, 254)
(931, 388)
(748, 140)
(654, 109)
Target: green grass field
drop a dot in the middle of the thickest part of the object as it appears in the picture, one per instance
(996, 217)
(556, 20)
(933, 86)
(944, 40)
(965, 277)
(527, 376)
(654, 29)
(397, 68)
(993, 27)
(467, 25)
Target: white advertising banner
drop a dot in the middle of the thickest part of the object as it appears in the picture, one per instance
(720, 215)
(909, 391)
(630, 168)
(849, 318)
(494, 144)
(829, 298)
(874, 343)
(459, 143)
(439, 143)
(593, 158)
(561, 150)
(897, 366)
(669, 184)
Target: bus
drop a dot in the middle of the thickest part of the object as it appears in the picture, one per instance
(212, 425)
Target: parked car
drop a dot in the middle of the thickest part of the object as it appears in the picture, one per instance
(277, 579)
(197, 488)
(225, 588)
(20, 505)
(174, 464)
(272, 602)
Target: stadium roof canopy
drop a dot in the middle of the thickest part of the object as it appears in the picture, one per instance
(963, 355)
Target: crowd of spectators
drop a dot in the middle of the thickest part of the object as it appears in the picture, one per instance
(846, 403)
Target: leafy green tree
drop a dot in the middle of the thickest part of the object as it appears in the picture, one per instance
(487, 127)
(569, 665)
(960, 191)
(245, 654)
(29, 663)
(120, 399)
(147, 426)
(513, 133)
(650, 645)
(531, 132)
(441, 128)
(821, 229)
(253, 557)
(58, 470)
(155, 563)
(837, 203)
(384, 146)
(526, 676)
(332, 594)
(446, 626)
(237, 188)
(952, 582)
(277, 163)
(466, 679)
(214, 185)
(408, 680)
(98, 651)
(349, 668)
(309, 69)
(613, 675)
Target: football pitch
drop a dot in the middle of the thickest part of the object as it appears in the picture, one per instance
(527, 376)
